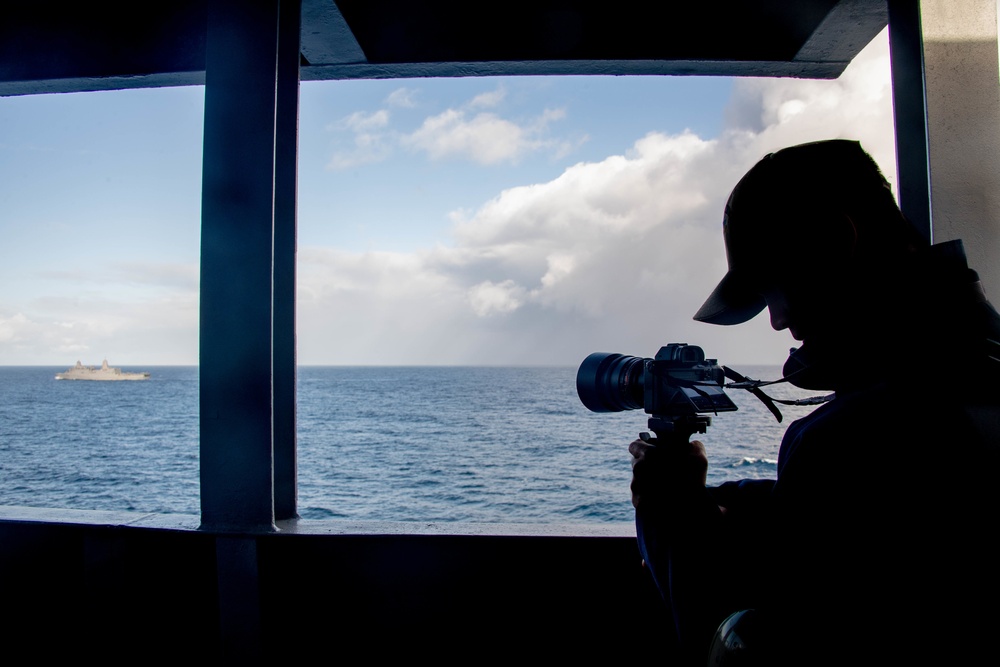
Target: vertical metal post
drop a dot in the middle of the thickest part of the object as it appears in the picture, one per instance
(236, 265)
(909, 101)
(285, 187)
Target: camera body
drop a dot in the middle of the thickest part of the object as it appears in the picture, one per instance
(676, 385)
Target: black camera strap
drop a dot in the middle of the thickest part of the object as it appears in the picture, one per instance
(741, 381)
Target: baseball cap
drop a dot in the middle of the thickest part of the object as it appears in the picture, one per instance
(772, 217)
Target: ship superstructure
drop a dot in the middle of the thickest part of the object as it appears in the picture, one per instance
(104, 373)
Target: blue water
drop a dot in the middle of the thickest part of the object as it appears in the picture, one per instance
(474, 444)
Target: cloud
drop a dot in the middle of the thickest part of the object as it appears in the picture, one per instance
(858, 105)
(473, 131)
(129, 312)
(366, 122)
(489, 99)
(162, 275)
(402, 97)
(484, 138)
(24, 340)
(16, 328)
(130, 329)
(611, 255)
(489, 298)
(370, 142)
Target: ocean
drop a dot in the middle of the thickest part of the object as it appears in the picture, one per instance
(442, 444)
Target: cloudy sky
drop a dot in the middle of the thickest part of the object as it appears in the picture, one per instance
(527, 220)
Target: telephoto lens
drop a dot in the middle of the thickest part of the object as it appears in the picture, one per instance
(611, 382)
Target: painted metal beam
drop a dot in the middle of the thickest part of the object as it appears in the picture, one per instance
(70, 47)
(909, 101)
(285, 230)
(237, 239)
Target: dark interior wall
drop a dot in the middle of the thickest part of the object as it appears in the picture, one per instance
(120, 593)
(71, 591)
(437, 596)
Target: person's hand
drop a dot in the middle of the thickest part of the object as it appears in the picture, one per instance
(658, 468)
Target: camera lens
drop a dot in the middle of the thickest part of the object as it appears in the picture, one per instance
(610, 382)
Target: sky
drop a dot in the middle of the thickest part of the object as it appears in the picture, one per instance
(473, 221)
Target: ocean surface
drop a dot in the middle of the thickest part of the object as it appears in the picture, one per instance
(473, 444)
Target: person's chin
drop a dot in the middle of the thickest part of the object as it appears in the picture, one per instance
(808, 368)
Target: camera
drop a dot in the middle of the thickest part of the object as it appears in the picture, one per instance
(673, 387)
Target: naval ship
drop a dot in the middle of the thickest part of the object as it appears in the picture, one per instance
(104, 373)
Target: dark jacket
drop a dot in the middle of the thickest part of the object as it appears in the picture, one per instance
(874, 545)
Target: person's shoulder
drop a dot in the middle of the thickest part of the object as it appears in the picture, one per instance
(877, 422)
(865, 406)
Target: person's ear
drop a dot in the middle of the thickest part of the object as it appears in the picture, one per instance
(845, 236)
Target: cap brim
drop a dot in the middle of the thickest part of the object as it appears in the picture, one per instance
(730, 303)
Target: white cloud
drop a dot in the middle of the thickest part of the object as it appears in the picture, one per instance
(161, 275)
(611, 255)
(489, 298)
(858, 105)
(489, 100)
(466, 132)
(15, 328)
(370, 142)
(360, 121)
(127, 312)
(561, 266)
(402, 97)
(485, 138)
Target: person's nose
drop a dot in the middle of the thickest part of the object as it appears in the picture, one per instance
(777, 308)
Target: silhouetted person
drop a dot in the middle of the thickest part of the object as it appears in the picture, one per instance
(874, 544)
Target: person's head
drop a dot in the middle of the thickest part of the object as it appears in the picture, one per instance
(812, 232)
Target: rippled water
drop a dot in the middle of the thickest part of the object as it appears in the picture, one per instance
(482, 444)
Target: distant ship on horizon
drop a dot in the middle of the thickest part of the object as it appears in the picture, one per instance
(105, 372)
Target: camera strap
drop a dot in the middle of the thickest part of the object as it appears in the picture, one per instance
(741, 381)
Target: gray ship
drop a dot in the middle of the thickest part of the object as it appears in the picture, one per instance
(105, 372)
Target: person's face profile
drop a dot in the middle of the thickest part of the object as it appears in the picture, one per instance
(805, 288)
